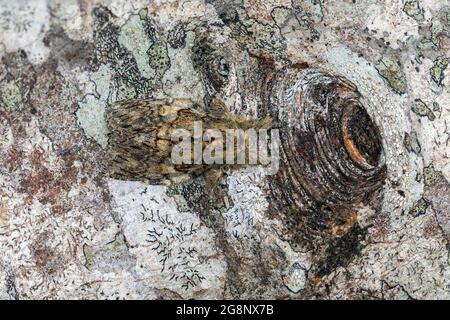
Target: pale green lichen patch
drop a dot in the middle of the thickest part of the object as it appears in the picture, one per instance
(89, 256)
(90, 115)
(319, 3)
(10, 96)
(411, 142)
(440, 27)
(133, 37)
(421, 109)
(393, 73)
(437, 109)
(175, 82)
(413, 9)
(419, 208)
(431, 175)
(158, 58)
(437, 71)
(281, 15)
(111, 91)
(118, 58)
(102, 80)
(143, 13)
(138, 36)
(119, 243)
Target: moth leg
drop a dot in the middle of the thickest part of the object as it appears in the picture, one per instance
(212, 180)
(217, 197)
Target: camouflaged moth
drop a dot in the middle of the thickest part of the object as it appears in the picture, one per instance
(144, 136)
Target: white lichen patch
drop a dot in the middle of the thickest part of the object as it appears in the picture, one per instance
(390, 22)
(174, 248)
(68, 14)
(418, 265)
(122, 9)
(168, 13)
(247, 215)
(23, 25)
(295, 276)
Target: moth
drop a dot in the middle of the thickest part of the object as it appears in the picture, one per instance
(140, 139)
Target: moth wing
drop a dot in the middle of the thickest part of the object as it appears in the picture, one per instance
(139, 143)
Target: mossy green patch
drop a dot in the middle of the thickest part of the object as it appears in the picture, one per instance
(413, 9)
(431, 175)
(393, 73)
(158, 58)
(281, 15)
(419, 208)
(422, 110)
(440, 26)
(119, 243)
(437, 71)
(89, 256)
(143, 13)
(10, 96)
